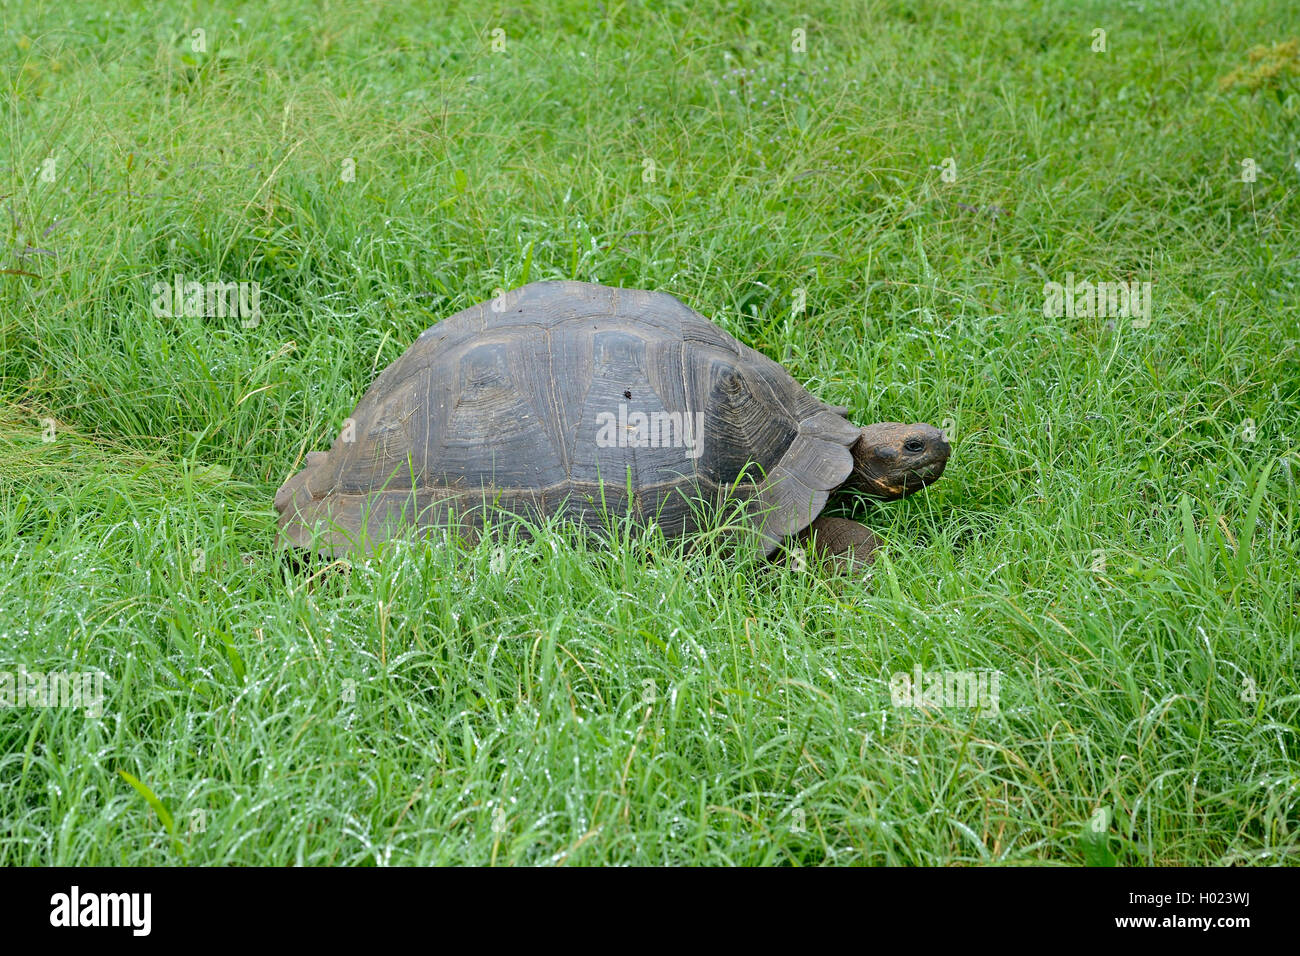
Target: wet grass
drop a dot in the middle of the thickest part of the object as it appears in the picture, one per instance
(1115, 535)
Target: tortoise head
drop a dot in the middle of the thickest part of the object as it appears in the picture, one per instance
(891, 460)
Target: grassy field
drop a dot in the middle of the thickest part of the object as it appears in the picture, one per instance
(1115, 535)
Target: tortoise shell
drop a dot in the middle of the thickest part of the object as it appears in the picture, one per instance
(575, 399)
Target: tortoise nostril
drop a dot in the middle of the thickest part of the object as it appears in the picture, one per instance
(913, 446)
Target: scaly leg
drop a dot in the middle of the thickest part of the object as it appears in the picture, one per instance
(845, 546)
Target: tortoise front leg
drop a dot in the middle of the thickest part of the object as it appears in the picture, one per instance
(844, 546)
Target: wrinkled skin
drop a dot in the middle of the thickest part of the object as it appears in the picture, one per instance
(890, 461)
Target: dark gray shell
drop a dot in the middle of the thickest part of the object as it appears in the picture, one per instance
(504, 404)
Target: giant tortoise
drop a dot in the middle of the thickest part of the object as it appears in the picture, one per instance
(579, 400)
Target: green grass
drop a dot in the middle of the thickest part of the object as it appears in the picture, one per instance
(1116, 532)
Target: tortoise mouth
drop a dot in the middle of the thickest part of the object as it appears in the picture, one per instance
(890, 488)
(918, 478)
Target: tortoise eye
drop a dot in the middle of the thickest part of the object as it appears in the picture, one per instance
(913, 446)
